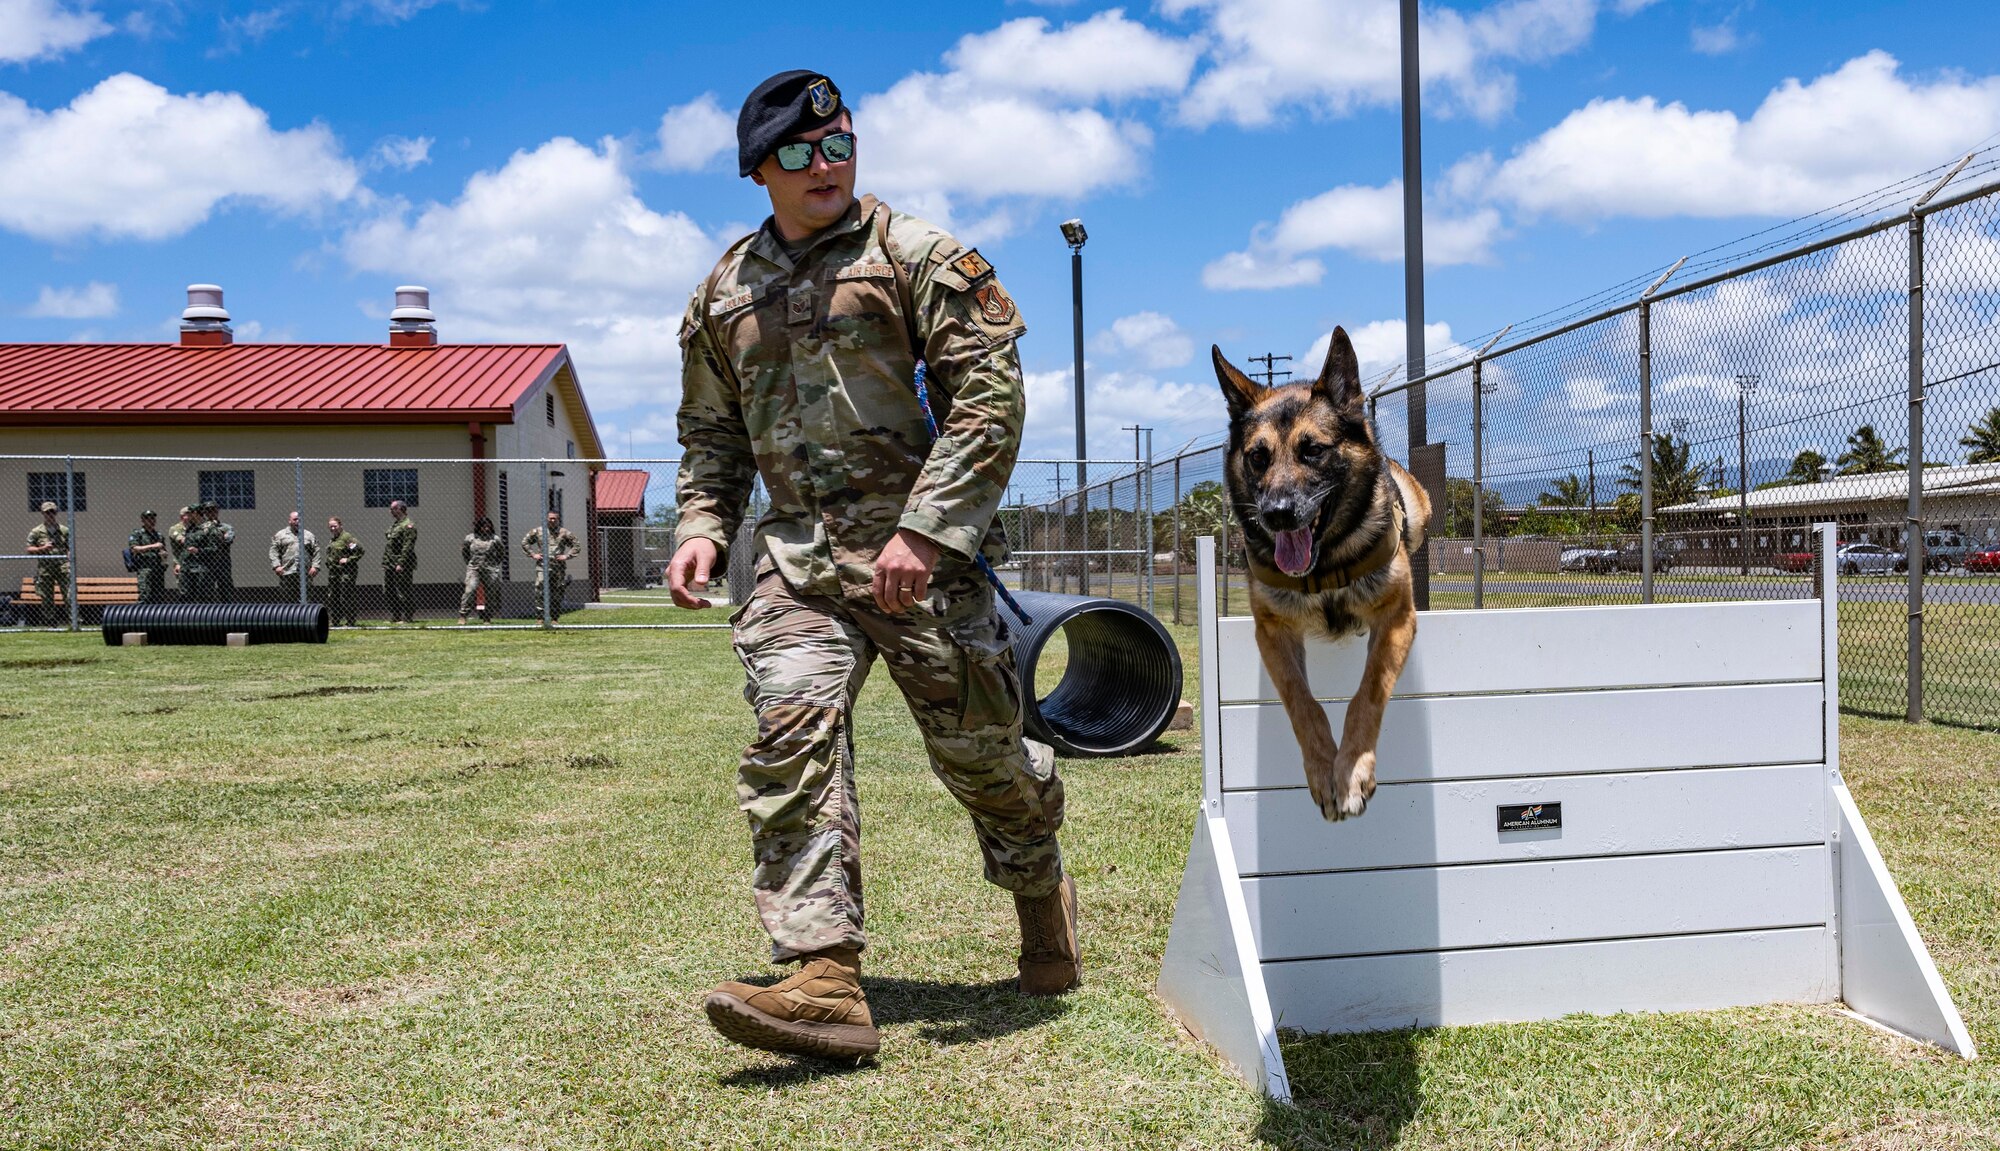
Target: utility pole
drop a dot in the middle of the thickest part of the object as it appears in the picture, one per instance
(1074, 235)
(1270, 372)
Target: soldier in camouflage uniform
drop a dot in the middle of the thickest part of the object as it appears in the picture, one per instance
(483, 551)
(149, 558)
(284, 556)
(399, 564)
(218, 541)
(343, 572)
(50, 539)
(177, 546)
(797, 360)
(562, 549)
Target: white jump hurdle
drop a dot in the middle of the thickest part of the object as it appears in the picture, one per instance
(1705, 852)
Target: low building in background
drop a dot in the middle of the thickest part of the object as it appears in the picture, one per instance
(432, 424)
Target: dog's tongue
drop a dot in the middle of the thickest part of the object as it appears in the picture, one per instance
(1295, 552)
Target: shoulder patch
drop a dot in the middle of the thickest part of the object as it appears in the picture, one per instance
(972, 265)
(996, 307)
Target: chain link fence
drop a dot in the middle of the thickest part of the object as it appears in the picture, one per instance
(1680, 445)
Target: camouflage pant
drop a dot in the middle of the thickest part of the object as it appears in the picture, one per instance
(340, 599)
(52, 584)
(152, 583)
(807, 657)
(476, 579)
(400, 587)
(558, 588)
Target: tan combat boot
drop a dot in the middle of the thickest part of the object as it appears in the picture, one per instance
(819, 1010)
(1050, 962)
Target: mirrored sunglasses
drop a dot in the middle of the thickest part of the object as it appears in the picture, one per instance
(837, 148)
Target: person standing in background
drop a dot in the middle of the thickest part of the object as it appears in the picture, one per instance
(399, 564)
(149, 558)
(343, 572)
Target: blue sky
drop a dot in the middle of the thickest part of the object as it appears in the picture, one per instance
(566, 171)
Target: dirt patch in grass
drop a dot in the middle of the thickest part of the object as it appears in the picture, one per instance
(1920, 1131)
(329, 689)
(368, 997)
(46, 662)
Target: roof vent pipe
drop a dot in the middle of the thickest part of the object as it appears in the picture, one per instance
(205, 322)
(413, 324)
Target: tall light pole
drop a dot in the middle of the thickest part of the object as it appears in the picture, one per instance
(1745, 384)
(1074, 235)
(1413, 272)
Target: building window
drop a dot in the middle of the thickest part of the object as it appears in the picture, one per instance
(231, 489)
(381, 487)
(53, 486)
(549, 403)
(570, 446)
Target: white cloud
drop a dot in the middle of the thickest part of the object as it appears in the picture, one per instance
(251, 27)
(1177, 411)
(35, 29)
(1361, 220)
(1715, 39)
(555, 245)
(1379, 346)
(1152, 338)
(914, 141)
(1331, 57)
(129, 158)
(402, 152)
(693, 134)
(93, 301)
(1106, 56)
(1808, 145)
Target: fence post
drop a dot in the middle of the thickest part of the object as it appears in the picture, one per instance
(1913, 521)
(1646, 433)
(1177, 539)
(69, 506)
(299, 537)
(1478, 483)
(542, 526)
(1152, 601)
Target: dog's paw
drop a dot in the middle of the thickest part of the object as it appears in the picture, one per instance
(1353, 787)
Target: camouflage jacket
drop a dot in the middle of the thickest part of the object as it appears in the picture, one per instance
(799, 370)
(151, 558)
(483, 551)
(562, 545)
(41, 535)
(284, 551)
(341, 553)
(399, 545)
(177, 542)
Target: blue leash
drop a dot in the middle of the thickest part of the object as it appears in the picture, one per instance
(992, 577)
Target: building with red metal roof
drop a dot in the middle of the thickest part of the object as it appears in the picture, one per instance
(350, 427)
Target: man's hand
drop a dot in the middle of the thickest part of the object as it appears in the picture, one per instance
(903, 571)
(688, 572)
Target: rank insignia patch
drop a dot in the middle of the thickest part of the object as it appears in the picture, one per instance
(824, 102)
(995, 305)
(972, 266)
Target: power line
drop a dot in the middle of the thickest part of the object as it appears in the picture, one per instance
(1271, 370)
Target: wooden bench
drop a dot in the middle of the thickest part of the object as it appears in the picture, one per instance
(91, 591)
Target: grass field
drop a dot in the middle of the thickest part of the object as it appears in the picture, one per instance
(465, 891)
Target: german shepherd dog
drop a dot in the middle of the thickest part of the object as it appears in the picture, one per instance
(1329, 523)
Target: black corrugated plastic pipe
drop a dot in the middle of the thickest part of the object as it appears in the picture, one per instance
(211, 623)
(1121, 686)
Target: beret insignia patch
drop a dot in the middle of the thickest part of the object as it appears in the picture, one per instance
(995, 305)
(824, 102)
(972, 266)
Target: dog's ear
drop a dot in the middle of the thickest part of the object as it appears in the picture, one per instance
(1239, 391)
(1340, 377)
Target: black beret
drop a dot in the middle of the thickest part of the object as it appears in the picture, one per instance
(785, 105)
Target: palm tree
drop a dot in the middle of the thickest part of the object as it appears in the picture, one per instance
(1566, 492)
(1675, 473)
(1805, 468)
(1984, 439)
(1867, 454)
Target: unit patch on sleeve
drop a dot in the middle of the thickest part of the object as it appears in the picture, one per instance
(972, 266)
(996, 307)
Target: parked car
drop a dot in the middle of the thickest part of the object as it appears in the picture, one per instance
(1943, 551)
(1628, 559)
(1866, 559)
(1793, 561)
(1588, 559)
(1983, 561)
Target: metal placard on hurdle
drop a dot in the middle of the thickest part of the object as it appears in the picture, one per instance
(1708, 854)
